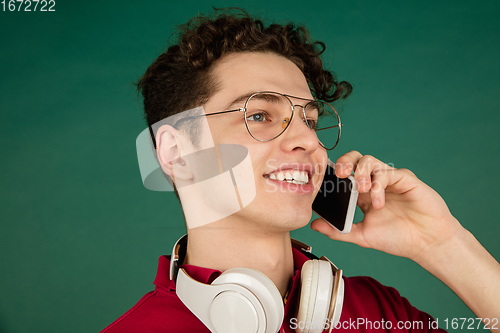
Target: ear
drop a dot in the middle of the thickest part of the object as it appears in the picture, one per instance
(170, 151)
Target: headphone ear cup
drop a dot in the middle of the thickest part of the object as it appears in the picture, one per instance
(265, 292)
(315, 295)
(339, 302)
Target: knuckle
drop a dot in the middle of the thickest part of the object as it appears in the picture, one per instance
(368, 158)
(365, 164)
(407, 172)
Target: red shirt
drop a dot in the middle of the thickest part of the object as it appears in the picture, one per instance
(368, 306)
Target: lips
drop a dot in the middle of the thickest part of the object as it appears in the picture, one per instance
(293, 174)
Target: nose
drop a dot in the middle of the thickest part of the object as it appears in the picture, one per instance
(298, 136)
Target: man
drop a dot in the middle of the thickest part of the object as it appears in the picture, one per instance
(229, 65)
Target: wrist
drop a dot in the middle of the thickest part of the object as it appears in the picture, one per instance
(467, 268)
(449, 243)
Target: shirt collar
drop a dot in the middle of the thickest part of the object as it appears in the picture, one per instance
(207, 275)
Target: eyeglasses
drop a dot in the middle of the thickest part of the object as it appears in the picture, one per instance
(268, 114)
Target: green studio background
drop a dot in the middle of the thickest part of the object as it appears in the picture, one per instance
(80, 236)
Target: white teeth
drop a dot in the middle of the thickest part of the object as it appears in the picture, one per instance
(295, 177)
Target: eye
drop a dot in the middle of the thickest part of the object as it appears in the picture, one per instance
(311, 123)
(257, 117)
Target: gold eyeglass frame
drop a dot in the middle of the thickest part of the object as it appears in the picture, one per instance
(244, 110)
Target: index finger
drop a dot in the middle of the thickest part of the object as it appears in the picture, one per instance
(347, 163)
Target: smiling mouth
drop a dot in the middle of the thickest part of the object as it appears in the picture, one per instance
(290, 176)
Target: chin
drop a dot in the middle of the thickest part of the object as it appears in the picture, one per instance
(279, 211)
(302, 220)
(292, 219)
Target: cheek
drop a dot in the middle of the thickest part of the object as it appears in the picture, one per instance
(261, 160)
(230, 133)
(320, 169)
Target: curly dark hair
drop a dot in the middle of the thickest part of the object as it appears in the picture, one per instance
(180, 78)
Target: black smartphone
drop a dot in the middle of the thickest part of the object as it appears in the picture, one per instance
(336, 200)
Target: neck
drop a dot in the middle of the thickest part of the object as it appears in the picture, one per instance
(224, 247)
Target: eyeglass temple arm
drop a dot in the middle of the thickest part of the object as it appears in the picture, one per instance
(324, 128)
(211, 114)
(192, 117)
(152, 135)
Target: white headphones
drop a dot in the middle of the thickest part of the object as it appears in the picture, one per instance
(244, 300)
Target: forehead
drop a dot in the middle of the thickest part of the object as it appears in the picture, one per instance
(242, 73)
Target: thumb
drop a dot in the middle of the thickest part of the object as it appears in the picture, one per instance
(354, 236)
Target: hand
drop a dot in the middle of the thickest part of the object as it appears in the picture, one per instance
(405, 217)
(402, 215)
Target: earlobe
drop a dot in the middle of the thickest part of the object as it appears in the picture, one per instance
(170, 155)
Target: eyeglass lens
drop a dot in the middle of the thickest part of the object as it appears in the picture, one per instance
(268, 115)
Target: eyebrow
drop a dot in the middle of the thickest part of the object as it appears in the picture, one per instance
(243, 98)
(238, 100)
